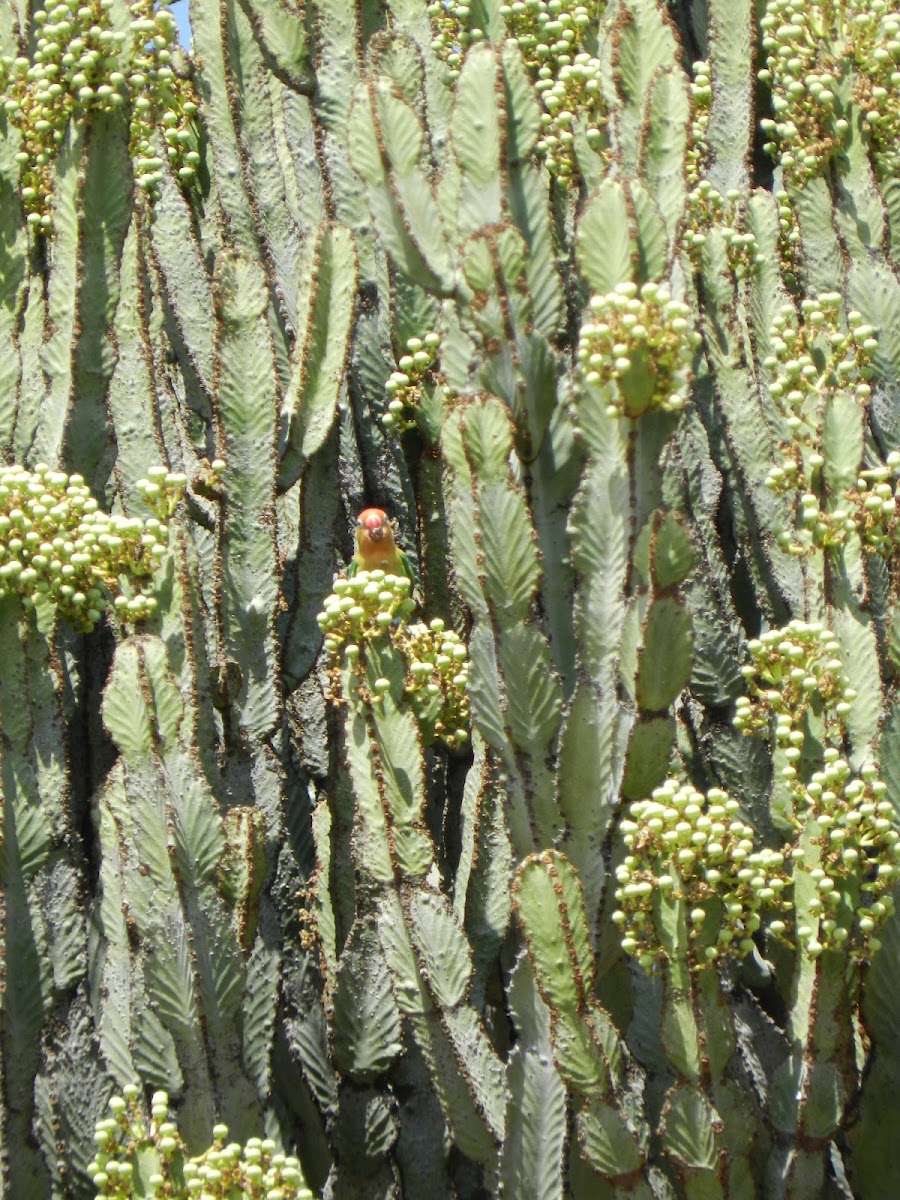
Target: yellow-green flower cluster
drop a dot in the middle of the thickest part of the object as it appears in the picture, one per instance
(163, 489)
(57, 545)
(692, 850)
(701, 105)
(571, 96)
(869, 510)
(792, 669)
(847, 845)
(548, 32)
(140, 1157)
(643, 343)
(788, 242)
(362, 608)
(810, 46)
(81, 64)
(876, 517)
(437, 680)
(372, 605)
(811, 361)
(404, 387)
(453, 36)
(859, 859)
(709, 208)
(551, 35)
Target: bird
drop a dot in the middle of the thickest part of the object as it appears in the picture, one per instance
(376, 548)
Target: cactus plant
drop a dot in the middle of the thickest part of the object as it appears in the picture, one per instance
(565, 864)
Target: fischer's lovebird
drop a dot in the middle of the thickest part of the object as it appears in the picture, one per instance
(376, 548)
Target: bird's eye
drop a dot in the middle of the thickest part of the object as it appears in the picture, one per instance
(360, 524)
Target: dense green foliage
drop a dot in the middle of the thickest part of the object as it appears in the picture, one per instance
(568, 870)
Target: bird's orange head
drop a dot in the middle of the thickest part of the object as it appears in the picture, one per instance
(373, 528)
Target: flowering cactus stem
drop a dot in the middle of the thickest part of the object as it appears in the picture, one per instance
(810, 1087)
(708, 1123)
(628, 561)
(424, 947)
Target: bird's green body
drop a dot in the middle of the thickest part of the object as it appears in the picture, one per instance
(376, 549)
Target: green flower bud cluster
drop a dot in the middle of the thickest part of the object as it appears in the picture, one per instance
(453, 36)
(792, 669)
(547, 31)
(809, 45)
(404, 387)
(707, 207)
(859, 860)
(788, 242)
(137, 1157)
(550, 35)
(852, 820)
(162, 490)
(876, 516)
(571, 98)
(362, 608)
(81, 64)
(56, 545)
(818, 356)
(701, 105)
(371, 605)
(643, 343)
(437, 680)
(694, 850)
(811, 361)
(162, 103)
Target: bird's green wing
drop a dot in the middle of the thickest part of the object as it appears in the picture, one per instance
(407, 567)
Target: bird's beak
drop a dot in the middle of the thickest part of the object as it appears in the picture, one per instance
(377, 533)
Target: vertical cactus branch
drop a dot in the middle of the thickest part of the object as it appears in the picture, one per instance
(40, 918)
(424, 947)
(585, 1045)
(171, 845)
(515, 697)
